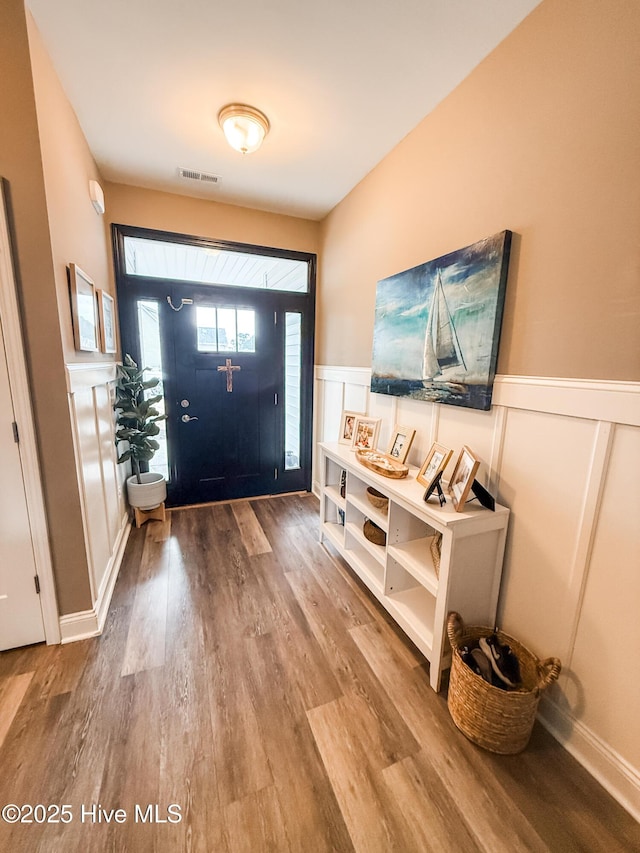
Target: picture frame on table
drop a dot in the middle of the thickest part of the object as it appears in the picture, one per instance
(347, 423)
(84, 310)
(400, 443)
(462, 478)
(436, 461)
(365, 433)
(107, 316)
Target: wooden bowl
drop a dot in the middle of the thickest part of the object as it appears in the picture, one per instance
(382, 464)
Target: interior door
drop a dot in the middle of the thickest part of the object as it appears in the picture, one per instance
(21, 621)
(223, 409)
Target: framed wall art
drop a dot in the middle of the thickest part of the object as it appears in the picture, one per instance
(365, 433)
(106, 313)
(462, 477)
(437, 326)
(84, 310)
(401, 441)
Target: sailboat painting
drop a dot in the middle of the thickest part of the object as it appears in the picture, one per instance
(437, 326)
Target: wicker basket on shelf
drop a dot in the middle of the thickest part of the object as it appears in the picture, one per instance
(374, 533)
(377, 499)
(498, 720)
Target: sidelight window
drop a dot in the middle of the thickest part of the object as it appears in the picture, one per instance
(151, 357)
(292, 379)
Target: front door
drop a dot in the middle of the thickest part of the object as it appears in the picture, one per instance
(226, 399)
(234, 350)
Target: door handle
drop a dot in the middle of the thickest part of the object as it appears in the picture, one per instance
(186, 418)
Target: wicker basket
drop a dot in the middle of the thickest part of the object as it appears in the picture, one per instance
(498, 720)
(377, 499)
(374, 533)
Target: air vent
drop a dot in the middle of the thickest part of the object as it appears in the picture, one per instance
(193, 175)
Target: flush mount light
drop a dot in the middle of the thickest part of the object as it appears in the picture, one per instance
(245, 127)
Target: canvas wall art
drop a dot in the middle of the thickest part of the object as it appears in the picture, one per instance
(437, 326)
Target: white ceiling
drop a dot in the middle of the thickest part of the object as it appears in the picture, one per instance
(342, 82)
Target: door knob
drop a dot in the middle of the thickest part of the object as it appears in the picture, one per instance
(186, 418)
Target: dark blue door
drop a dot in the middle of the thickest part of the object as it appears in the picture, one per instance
(224, 415)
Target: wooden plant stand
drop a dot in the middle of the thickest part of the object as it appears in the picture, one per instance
(155, 514)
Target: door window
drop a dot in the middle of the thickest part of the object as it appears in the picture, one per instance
(210, 265)
(225, 329)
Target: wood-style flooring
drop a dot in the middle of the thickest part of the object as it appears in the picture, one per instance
(245, 676)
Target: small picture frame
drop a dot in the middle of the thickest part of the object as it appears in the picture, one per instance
(365, 433)
(462, 478)
(84, 310)
(106, 313)
(400, 444)
(435, 463)
(347, 423)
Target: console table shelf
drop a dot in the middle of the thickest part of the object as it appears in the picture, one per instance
(401, 574)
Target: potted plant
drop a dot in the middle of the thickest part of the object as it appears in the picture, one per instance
(137, 424)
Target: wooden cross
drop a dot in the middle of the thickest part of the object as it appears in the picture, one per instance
(228, 369)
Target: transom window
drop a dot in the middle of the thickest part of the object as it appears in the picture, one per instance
(225, 329)
(204, 265)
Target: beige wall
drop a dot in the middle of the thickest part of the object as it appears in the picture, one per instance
(543, 138)
(21, 165)
(127, 205)
(77, 235)
(77, 231)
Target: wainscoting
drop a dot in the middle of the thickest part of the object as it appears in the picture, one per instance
(100, 480)
(564, 455)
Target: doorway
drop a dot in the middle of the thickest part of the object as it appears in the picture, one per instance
(228, 329)
(28, 608)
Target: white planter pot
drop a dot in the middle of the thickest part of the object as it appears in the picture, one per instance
(148, 494)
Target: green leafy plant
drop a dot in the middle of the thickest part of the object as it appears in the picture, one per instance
(136, 416)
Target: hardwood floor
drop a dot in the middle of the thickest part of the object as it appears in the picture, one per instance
(246, 676)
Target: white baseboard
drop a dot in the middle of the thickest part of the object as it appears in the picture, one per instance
(101, 607)
(90, 623)
(79, 626)
(609, 768)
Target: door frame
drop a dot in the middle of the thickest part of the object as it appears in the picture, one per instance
(27, 446)
(284, 301)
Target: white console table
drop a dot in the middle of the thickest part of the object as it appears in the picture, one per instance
(401, 574)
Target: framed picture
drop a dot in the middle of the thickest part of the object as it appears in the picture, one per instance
(448, 313)
(347, 423)
(365, 433)
(463, 474)
(83, 310)
(106, 312)
(401, 440)
(434, 464)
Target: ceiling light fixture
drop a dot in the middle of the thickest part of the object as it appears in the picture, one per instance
(245, 127)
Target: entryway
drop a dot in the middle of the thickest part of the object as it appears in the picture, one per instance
(228, 328)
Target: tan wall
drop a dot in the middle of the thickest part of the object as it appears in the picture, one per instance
(127, 205)
(77, 235)
(77, 231)
(543, 138)
(21, 165)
